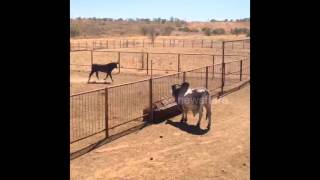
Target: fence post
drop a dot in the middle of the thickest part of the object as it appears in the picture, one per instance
(207, 76)
(202, 43)
(241, 70)
(178, 64)
(223, 69)
(150, 65)
(151, 99)
(119, 61)
(106, 113)
(134, 43)
(147, 63)
(78, 44)
(91, 57)
(142, 61)
(212, 66)
(107, 44)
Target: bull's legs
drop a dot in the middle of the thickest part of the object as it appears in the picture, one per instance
(111, 77)
(90, 75)
(184, 116)
(97, 74)
(200, 116)
(106, 77)
(208, 116)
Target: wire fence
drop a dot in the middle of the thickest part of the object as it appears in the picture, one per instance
(111, 110)
(103, 113)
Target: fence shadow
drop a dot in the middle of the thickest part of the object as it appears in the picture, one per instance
(104, 141)
(192, 129)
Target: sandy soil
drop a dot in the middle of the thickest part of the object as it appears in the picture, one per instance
(173, 151)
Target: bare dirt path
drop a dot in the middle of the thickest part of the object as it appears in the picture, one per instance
(173, 151)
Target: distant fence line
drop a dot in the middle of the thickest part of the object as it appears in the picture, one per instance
(165, 43)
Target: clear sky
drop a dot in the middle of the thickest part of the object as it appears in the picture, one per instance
(189, 10)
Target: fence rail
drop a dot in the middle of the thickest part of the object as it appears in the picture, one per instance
(164, 43)
(142, 61)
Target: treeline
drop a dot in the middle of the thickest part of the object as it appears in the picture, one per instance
(232, 20)
(144, 20)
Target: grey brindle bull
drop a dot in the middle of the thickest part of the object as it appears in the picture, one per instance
(192, 99)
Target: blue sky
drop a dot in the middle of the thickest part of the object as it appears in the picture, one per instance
(190, 10)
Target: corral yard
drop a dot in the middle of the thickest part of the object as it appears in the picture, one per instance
(171, 150)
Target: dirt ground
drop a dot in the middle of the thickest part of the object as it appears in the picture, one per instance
(171, 150)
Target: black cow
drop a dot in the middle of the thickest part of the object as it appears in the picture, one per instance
(106, 68)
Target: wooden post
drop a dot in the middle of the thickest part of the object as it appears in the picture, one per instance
(212, 66)
(119, 61)
(151, 100)
(91, 57)
(202, 43)
(147, 63)
(150, 65)
(93, 45)
(241, 70)
(142, 62)
(106, 113)
(184, 77)
(207, 77)
(178, 62)
(134, 43)
(223, 69)
(107, 44)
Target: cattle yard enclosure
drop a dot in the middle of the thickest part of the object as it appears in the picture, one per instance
(103, 113)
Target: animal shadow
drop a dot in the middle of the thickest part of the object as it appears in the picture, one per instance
(192, 129)
(95, 82)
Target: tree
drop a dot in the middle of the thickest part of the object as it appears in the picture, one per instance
(144, 30)
(153, 33)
